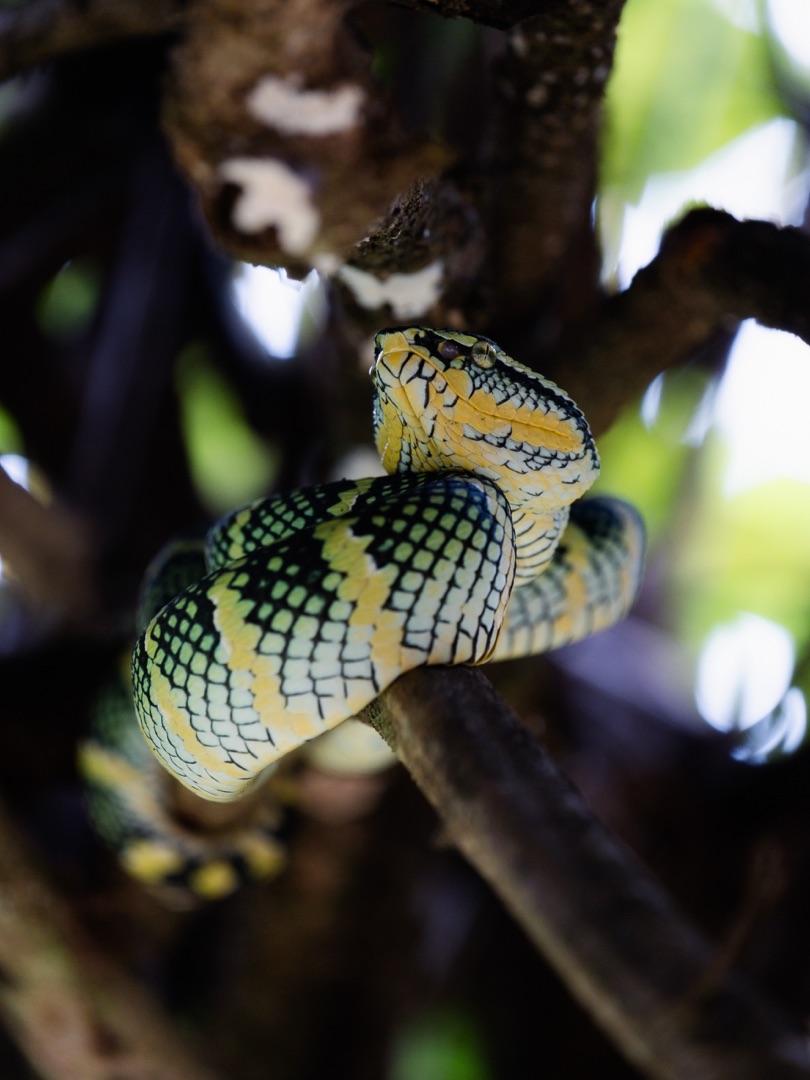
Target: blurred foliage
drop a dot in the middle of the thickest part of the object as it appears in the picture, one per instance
(691, 76)
(646, 454)
(686, 81)
(11, 441)
(725, 562)
(68, 303)
(229, 463)
(750, 552)
(440, 1045)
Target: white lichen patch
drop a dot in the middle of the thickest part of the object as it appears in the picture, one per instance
(273, 195)
(283, 105)
(326, 263)
(408, 295)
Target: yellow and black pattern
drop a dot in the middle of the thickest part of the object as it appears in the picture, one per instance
(315, 602)
(295, 637)
(129, 794)
(129, 805)
(586, 587)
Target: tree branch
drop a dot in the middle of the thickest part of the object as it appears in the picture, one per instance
(74, 1015)
(711, 271)
(48, 555)
(41, 30)
(274, 127)
(549, 89)
(611, 933)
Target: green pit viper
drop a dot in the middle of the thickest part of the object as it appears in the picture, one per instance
(298, 610)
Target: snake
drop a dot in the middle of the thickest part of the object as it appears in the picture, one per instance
(129, 797)
(476, 545)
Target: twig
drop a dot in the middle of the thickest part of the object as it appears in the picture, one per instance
(74, 1015)
(611, 933)
(711, 271)
(47, 552)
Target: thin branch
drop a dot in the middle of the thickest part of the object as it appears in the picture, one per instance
(711, 271)
(74, 1015)
(47, 552)
(612, 934)
(42, 30)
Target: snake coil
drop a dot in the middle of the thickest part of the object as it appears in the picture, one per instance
(300, 609)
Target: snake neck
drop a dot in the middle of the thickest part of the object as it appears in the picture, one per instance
(537, 525)
(536, 538)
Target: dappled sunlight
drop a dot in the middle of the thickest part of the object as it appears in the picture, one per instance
(743, 687)
(718, 460)
(647, 457)
(761, 409)
(776, 735)
(209, 217)
(770, 181)
(694, 117)
(721, 471)
(787, 22)
(744, 670)
(278, 310)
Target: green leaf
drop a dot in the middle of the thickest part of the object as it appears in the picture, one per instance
(230, 464)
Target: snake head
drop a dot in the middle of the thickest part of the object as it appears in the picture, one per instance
(451, 400)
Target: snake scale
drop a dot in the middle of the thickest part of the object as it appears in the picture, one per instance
(302, 608)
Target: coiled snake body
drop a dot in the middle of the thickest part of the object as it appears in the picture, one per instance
(474, 548)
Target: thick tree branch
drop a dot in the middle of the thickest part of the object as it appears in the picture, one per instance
(425, 260)
(711, 271)
(41, 30)
(611, 933)
(274, 117)
(549, 90)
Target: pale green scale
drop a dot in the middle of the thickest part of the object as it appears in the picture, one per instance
(282, 621)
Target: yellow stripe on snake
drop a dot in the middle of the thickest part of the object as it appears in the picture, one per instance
(469, 551)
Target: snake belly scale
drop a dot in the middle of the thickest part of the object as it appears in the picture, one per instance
(474, 547)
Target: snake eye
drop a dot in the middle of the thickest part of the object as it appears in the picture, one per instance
(482, 354)
(449, 350)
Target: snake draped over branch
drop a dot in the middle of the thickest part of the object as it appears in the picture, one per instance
(474, 548)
